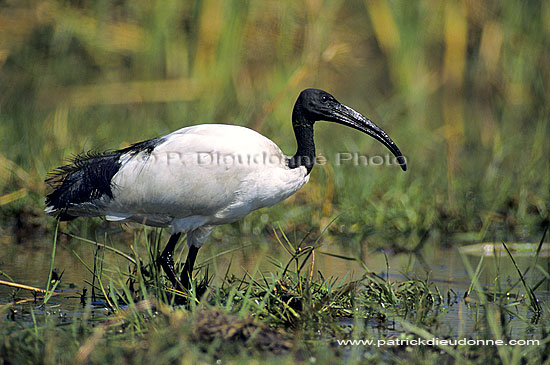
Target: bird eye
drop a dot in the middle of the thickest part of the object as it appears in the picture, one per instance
(324, 98)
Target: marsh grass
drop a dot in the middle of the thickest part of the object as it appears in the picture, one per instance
(290, 312)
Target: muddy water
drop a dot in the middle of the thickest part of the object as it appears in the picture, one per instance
(29, 264)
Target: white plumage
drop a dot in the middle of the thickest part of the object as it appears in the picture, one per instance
(233, 179)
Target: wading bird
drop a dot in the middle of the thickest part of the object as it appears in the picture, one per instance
(198, 177)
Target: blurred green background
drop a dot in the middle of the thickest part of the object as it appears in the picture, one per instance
(461, 86)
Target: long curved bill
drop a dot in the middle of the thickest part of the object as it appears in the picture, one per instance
(347, 116)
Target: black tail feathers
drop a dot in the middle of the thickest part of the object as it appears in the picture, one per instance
(87, 178)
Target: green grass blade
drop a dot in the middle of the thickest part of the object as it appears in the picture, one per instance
(48, 294)
(535, 306)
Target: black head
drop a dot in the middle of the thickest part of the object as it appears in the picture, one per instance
(313, 105)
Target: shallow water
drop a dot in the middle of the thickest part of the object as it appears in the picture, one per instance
(443, 266)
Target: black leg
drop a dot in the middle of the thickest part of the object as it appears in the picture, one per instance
(167, 262)
(187, 273)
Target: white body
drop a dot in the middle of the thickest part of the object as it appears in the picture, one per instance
(199, 177)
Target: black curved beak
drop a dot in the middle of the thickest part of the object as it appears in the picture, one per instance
(347, 116)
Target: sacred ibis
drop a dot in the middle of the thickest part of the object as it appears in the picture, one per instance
(198, 177)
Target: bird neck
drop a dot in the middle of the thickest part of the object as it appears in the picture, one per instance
(305, 155)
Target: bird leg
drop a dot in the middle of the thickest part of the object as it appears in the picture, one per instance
(167, 262)
(195, 239)
(187, 273)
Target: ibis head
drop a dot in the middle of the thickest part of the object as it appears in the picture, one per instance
(316, 105)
